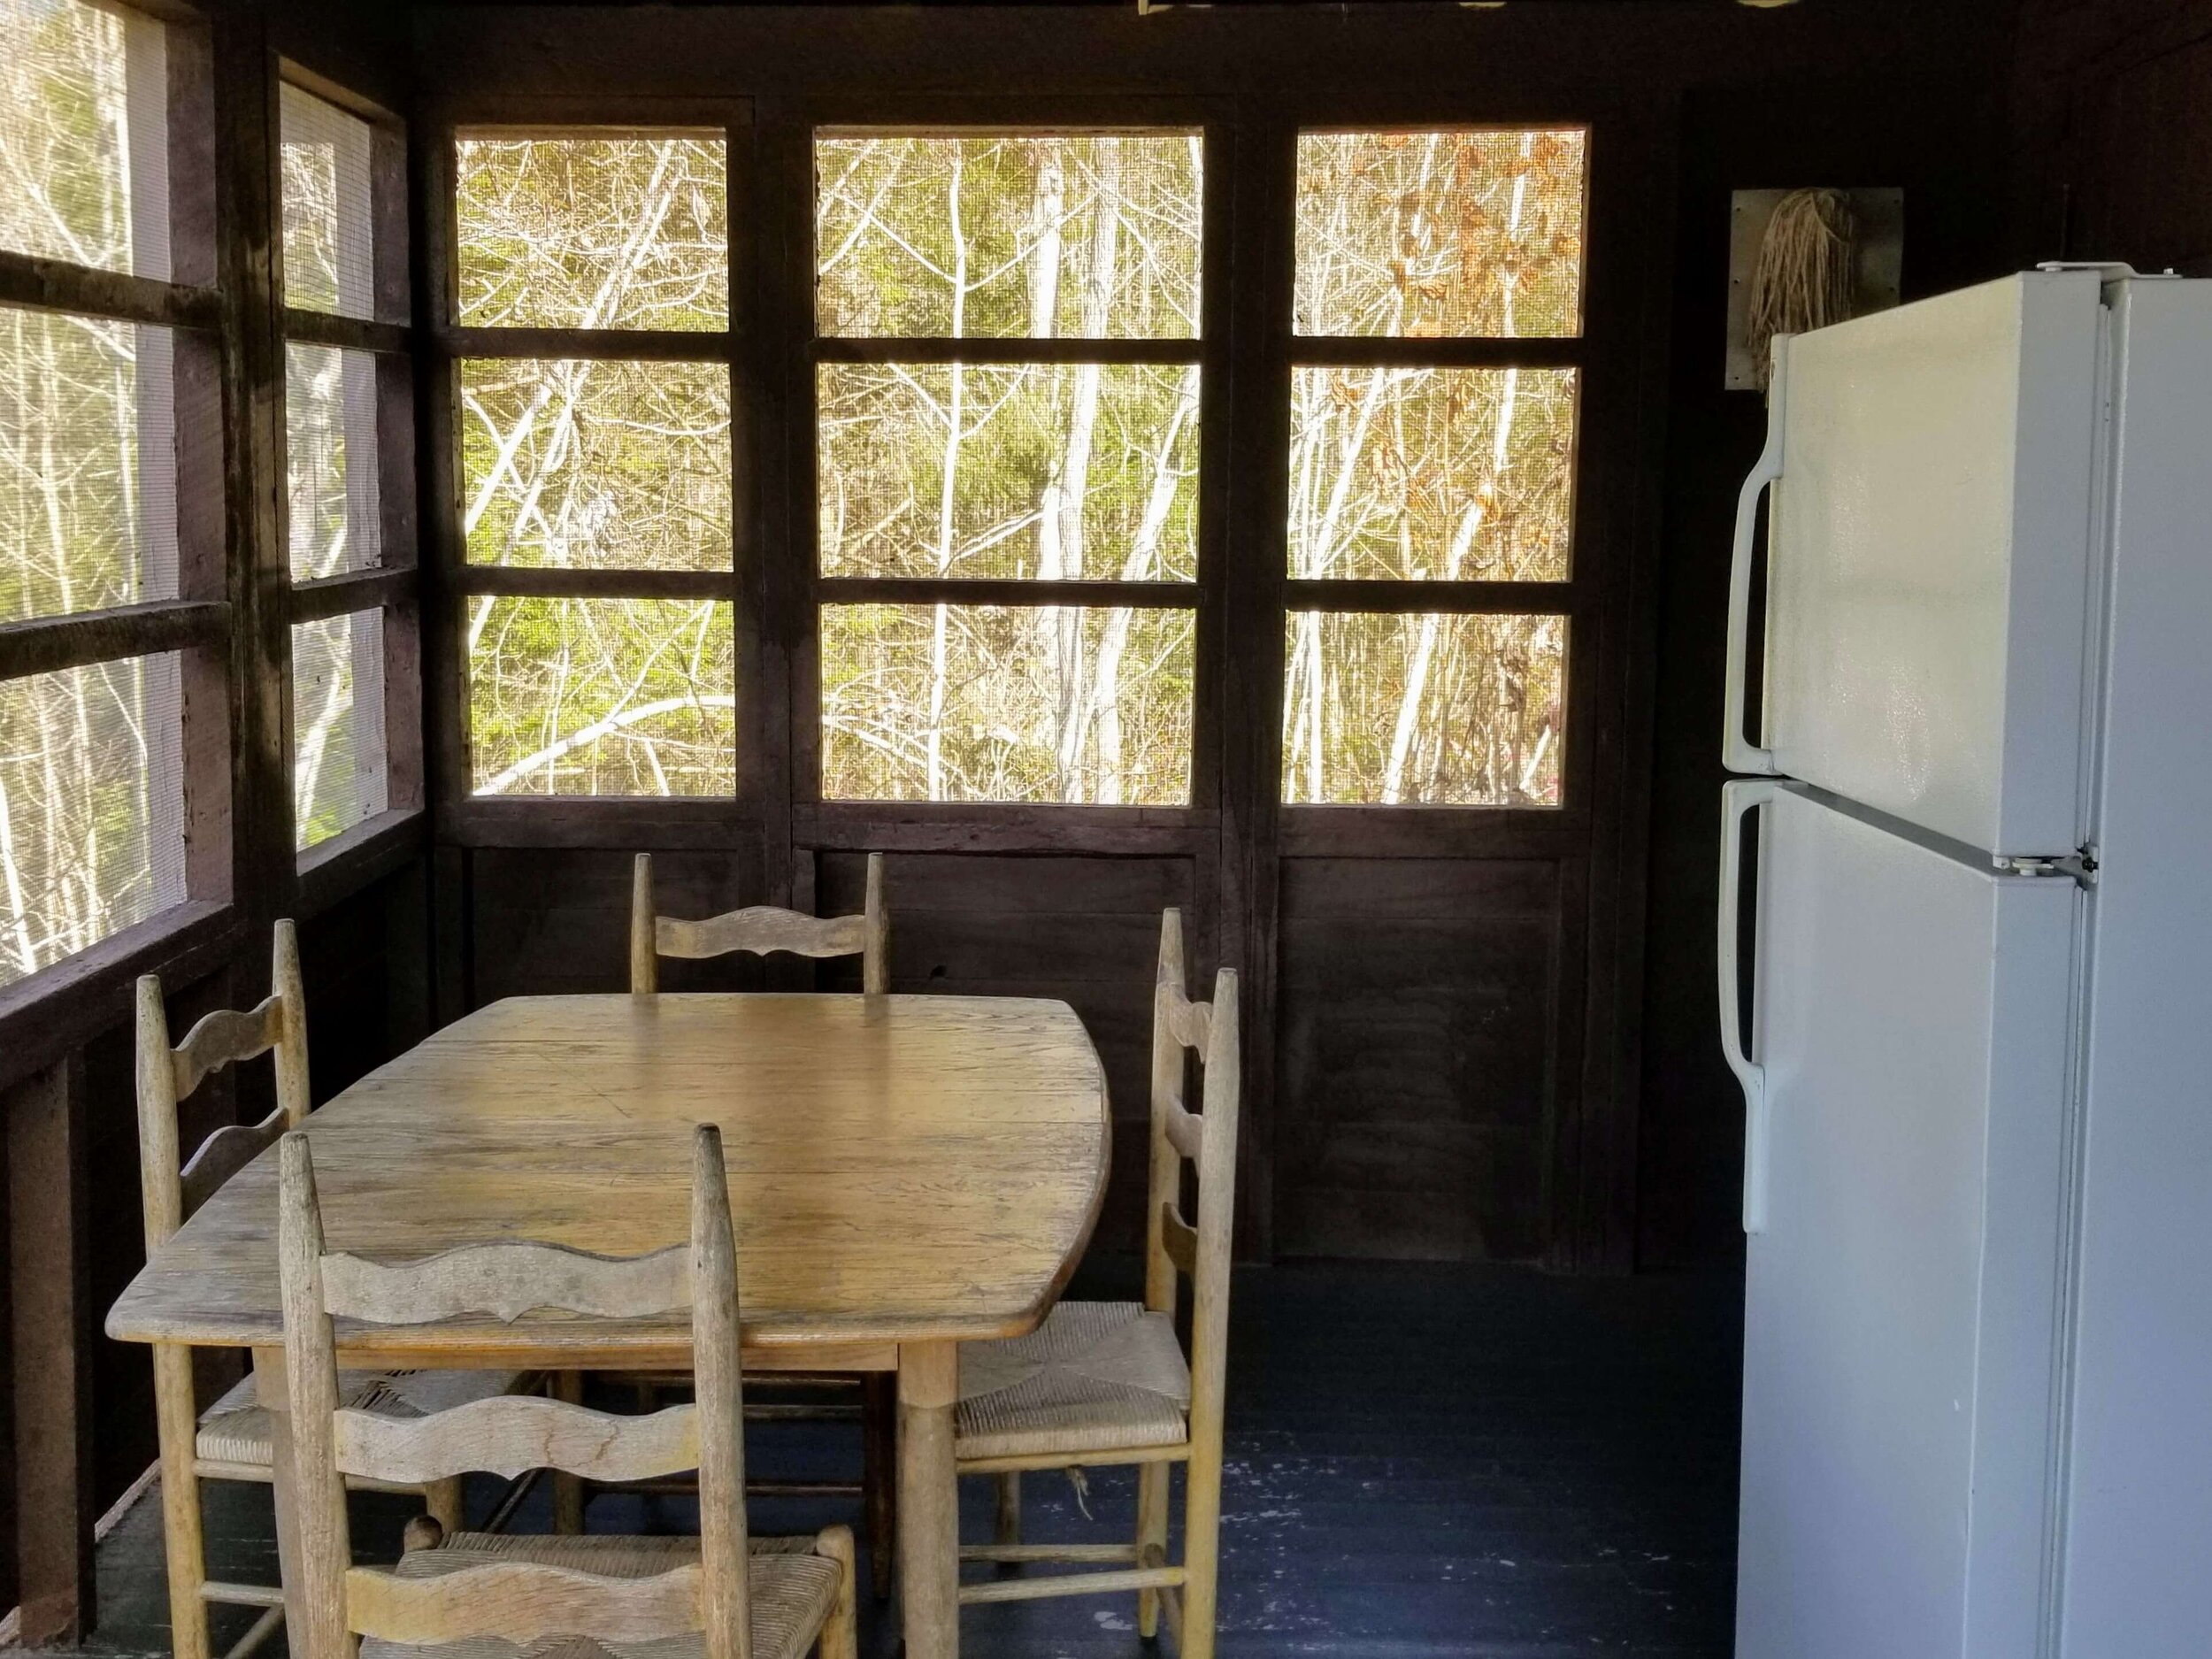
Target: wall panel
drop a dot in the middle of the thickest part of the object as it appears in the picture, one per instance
(545, 922)
(1419, 1056)
(1085, 931)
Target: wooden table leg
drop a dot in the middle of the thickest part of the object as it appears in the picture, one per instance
(568, 1490)
(270, 1391)
(929, 1501)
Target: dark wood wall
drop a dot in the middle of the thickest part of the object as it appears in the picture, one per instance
(1404, 988)
(1928, 116)
(76, 1410)
(1474, 1042)
(2113, 128)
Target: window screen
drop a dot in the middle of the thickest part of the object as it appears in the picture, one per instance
(1081, 476)
(84, 136)
(1426, 481)
(968, 703)
(338, 754)
(596, 465)
(330, 414)
(594, 232)
(602, 697)
(1419, 709)
(87, 463)
(1016, 235)
(329, 214)
(1440, 233)
(91, 806)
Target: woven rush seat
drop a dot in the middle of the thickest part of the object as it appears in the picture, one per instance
(792, 1592)
(1094, 1377)
(235, 1429)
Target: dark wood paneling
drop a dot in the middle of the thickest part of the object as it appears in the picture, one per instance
(1419, 1056)
(362, 960)
(1936, 130)
(122, 1375)
(1085, 931)
(545, 921)
(50, 1323)
(2113, 118)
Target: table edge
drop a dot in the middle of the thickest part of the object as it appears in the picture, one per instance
(242, 1333)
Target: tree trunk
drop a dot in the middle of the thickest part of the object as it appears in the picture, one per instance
(956, 413)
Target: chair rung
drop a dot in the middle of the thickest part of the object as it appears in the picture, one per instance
(753, 1380)
(241, 1595)
(258, 1474)
(1171, 1605)
(257, 1633)
(511, 1499)
(1012, 1462)
(221, 1469)
(1049, 1551)
(683, 1486)
(1071, 1584)
(770, 1487)
(780, 1412)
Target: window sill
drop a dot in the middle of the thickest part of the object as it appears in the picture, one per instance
(61, 1008)
(1004, 827)
(335, 869)
(1431, 831)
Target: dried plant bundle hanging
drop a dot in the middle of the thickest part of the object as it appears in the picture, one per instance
(1803, 280)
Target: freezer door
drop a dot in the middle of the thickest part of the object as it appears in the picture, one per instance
(1912, 1016)
(1929, 560)
(2139, 1534)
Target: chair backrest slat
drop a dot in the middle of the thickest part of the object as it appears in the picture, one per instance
(524, 1602)
(226, 1152)
(506, 1281)
(1207, 1138)
(225, 1038)
(1178, 1238)
(506, 1437)
(169, 1190)
(494, 1598)
(1186, 1131)
(1189, 1022)
(761, 929)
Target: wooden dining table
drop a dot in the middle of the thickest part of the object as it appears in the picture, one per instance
(906, 1173)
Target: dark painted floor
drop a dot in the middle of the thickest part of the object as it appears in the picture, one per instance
(1422, 1460)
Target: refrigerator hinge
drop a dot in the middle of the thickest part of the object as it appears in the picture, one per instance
(2079, 867)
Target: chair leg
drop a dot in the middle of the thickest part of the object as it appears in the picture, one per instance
(1009, 1507)
(879, 1477)
(1202, 1551)
(446, 1503)
(568, 1491)
(178, 1419)
(1152, 1495)
(841, 1630)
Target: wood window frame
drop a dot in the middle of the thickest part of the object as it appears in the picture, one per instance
(340, 863)
(451, 581)
(1236, 830)
(43, 1012)
(1597, 835)
(797, 589)
(1318, 828)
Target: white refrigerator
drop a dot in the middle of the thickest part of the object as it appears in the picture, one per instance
(1966, 979)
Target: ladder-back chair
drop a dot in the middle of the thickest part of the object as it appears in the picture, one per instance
(231, 1440)
(1108, 1382)
(763, 929)
(471, 1595)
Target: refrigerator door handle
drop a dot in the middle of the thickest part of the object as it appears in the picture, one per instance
(1736, 799)
(1738, 753)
